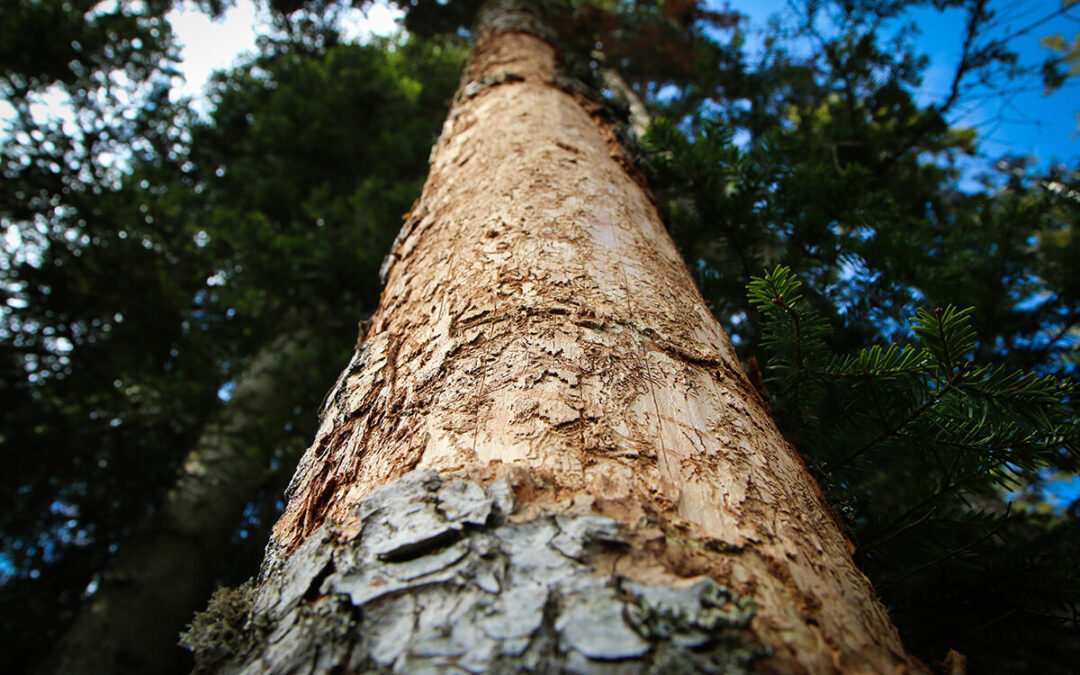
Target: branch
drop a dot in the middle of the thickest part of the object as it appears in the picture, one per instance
(881, 588)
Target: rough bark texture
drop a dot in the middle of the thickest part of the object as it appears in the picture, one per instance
(445, 579)
(539, 327)
(166, 570)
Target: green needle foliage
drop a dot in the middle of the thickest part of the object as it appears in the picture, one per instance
(917, 444)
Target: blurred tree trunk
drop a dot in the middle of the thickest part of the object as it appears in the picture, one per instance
(167, 569)
(546, 456)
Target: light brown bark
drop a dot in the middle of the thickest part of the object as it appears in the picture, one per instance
(538, 324)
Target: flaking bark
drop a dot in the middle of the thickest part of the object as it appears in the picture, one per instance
(445, 579)
(539, 327)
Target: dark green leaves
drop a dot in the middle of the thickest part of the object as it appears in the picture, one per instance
(793, 334)
(946, 333)
(919, 444)
(935, 392)
(150, 282)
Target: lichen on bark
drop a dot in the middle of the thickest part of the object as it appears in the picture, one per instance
(443, 578)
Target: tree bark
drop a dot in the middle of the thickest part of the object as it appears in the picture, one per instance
(167, 569)
(546, 456)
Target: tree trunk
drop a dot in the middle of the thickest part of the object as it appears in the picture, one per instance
(167, 569)
(546, 456)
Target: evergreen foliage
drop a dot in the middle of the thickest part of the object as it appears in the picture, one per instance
(916, 444)
(876, 243)
(91, 377)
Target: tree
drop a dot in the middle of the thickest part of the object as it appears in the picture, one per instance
(171, 563)
(99, 371)
(546, 453)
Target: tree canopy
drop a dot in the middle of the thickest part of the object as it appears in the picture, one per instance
(916, 332)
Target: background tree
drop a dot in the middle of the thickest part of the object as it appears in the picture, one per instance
(92, 373)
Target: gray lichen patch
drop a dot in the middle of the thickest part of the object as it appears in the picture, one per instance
(474, 88)
(439, 580)
(592, 621)
(228, 626)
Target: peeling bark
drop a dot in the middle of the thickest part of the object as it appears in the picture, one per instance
(166, 570)
(445, 578)
(539, 327)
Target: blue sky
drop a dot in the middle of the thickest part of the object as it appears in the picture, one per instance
(1024, 121)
